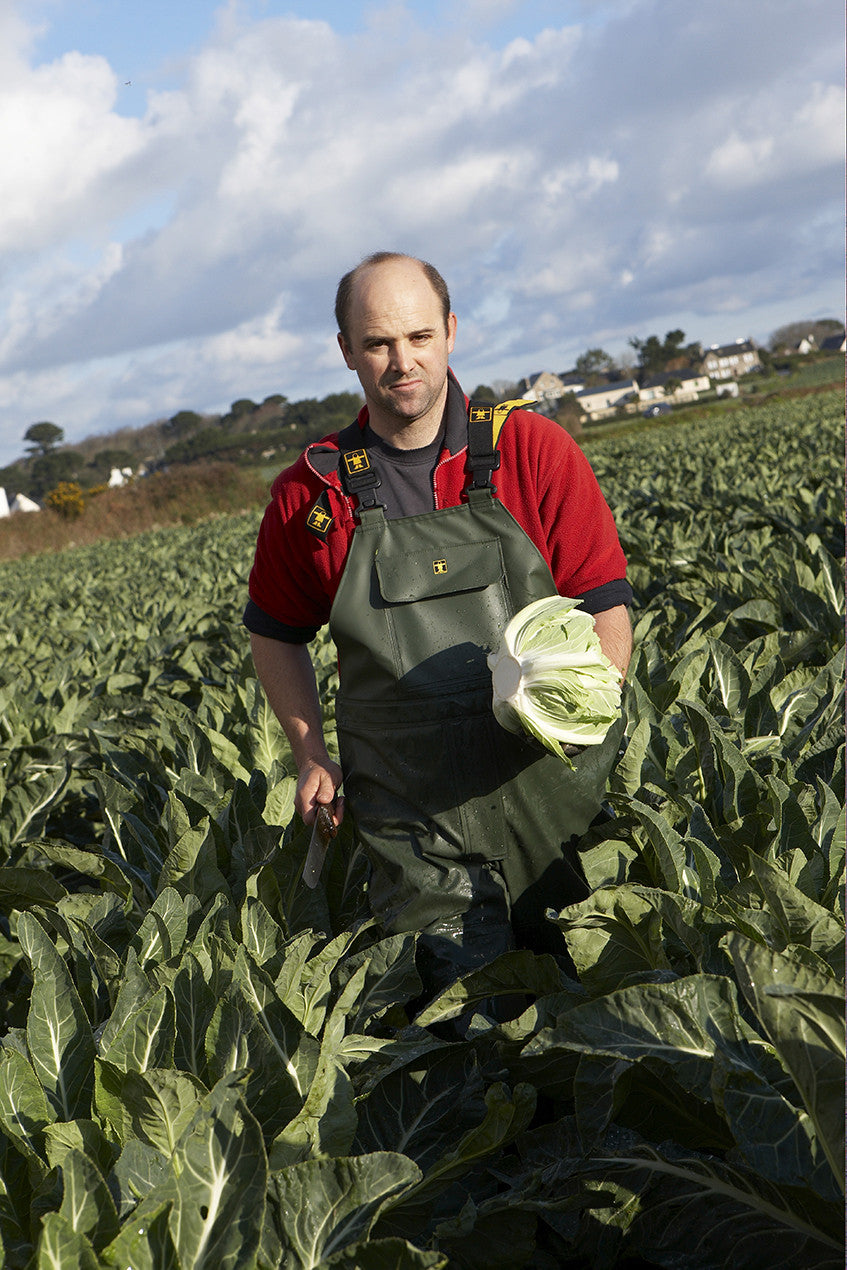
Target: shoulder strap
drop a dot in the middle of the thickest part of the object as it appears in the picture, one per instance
(485, 423)
(354, 468)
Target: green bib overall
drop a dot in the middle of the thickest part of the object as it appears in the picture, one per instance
(467, 827)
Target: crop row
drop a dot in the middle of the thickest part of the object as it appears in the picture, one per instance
(205, 1064)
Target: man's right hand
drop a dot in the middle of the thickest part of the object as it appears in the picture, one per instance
(317, 785)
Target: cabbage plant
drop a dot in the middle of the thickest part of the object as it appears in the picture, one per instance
(551, 677)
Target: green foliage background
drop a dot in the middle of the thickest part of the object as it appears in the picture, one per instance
(203, 1064)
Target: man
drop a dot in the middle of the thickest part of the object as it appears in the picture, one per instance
(417, 534)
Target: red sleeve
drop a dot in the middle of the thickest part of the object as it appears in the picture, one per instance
(293, 579)
(547, 483)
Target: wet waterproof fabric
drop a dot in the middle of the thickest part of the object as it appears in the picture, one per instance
(468, 827)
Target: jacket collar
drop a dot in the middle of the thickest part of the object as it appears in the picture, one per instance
(322, 456)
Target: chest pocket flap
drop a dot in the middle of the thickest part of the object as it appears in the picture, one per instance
(429, 572)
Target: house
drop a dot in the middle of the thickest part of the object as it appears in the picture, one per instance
(834, 344)
(728, 361)
(4, 503)
(544, 386)
(604, 400)
(690, 383)
(808, 344)
(572, 382)
(20, 503)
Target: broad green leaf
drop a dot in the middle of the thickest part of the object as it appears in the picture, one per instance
(24, 1110)
(161, 935)
(84, 1136)
(60, 1247)
(679, 1024)
(801, 919)
(507, 1115)
(59, 1037)
(195, 1004)
(420, 1110)
(615, 934)
(22, 888)
(386, 1254)
(87, 1205)
(703, 1212)
(803, 1015)
(509, 974)
(139, 1173)
(89, 863)
(251, 1028)
(146, 1039)
(666, 843)
(390, 976)
(731, 679)
(218, 1181)
(159, 1104)
(321, 1207)
(144, 1242)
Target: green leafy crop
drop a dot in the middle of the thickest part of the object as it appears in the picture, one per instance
(205, 1064)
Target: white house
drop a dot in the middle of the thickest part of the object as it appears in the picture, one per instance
(690, 383)
(20, 503)
(728, 361)
(605, 399)
(4, 503)
(544, 386)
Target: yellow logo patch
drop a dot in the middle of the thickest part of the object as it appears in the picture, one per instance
(356, 461)
(318, 519)
(439, 566)
(482, 414)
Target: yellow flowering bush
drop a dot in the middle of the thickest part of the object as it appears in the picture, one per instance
(67, 499)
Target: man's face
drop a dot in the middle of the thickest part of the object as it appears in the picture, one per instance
(398, 345)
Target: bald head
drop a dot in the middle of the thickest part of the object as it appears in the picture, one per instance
(347, 285)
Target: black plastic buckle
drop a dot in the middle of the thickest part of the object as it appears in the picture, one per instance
(359, 477)
(482, 466)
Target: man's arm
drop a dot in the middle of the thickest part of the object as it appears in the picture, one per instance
(286, 673)
(615, 634)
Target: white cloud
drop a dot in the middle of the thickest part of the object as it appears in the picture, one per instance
(609, 176)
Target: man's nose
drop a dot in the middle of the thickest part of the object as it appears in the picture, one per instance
(401, 356)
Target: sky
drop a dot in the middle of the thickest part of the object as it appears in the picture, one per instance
(183, 185)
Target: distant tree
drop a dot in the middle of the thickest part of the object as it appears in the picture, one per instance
(52, 467)
(506, 390)
(654, 355)
(569, 414)
(671, 385)
(105, 460)
(595, 365)
(275, 399)
(483, 392)
(183, 422)
(43, 437)
(244, 406)
(13, 478)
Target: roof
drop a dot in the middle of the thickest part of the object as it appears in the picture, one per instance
(617, 385)
(726, 350)
(833, 343)
(658, 380)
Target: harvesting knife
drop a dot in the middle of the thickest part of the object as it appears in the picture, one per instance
(322, 835)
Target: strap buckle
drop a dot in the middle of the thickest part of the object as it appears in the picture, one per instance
(359, 478)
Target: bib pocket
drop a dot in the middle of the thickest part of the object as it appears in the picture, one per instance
(460, 601)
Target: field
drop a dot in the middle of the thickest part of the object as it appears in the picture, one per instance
(206, 1065)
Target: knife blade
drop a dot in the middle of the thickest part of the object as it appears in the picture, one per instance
(323, 832)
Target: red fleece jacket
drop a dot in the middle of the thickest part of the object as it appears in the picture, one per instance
(544, 480)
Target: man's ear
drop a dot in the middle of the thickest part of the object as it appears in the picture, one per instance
(345, 351)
